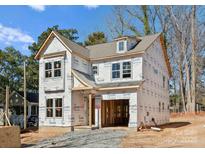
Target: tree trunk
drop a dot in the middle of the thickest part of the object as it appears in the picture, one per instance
(193, 58)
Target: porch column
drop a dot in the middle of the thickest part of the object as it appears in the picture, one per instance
(90, 110)
(98, 111)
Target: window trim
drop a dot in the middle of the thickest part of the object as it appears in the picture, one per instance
(124, 46)
(121, 70)
(54, 108)
(56, 69)
(126, 70)
(53, 69)
(46, 70)
(97, 69)
(49, 108)
(115, 71)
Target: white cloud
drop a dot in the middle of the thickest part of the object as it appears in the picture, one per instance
(9, 35)
(39, 8)
(91, 6)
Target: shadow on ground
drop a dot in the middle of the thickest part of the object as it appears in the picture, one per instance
(175, 125)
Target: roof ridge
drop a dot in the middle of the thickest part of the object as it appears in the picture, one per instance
(57, 33)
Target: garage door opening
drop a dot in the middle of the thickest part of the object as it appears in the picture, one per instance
(115, 113)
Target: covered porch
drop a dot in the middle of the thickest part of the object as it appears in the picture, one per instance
(106, 105)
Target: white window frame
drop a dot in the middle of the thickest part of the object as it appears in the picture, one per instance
(126, 70)
(97, 70)
(53, 69)
(50, 69)
(53, 108)
(124, 46)
(50, 107)
(116, 71)
(57, 69)
(121, 70)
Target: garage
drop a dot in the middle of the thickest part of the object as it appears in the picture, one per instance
(115, 112)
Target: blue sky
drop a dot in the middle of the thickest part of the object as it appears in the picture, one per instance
(21, 25)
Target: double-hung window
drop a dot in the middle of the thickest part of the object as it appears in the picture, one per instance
(116, 70)
(164, 80)
(121, 70)
(48, 70)
(121, 46)
(126, 70)
(57, 68)
(58, 107)
(49, 107)
(95, 69)
(54, 110)
(53, 69)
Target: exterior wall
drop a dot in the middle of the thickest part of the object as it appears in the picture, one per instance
(54, 83)
(132, 97)
(81, 64)
(105, 71)
(56, 88)
(152, 91)
(80, 108)
(54, 46)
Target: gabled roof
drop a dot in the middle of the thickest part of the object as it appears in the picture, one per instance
(86, 79)
(30, 97)
(109, 49)
(106, 50)
(89, 82)
(70, 45)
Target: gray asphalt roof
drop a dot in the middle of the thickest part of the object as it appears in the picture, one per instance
(107, 49)
(74, 46)
(90, 81)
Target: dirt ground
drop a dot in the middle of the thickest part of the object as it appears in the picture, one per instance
(183, 131)
(34, 135)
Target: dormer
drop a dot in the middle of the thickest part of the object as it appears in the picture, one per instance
(126, 43)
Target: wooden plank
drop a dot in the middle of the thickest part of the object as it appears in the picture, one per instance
(90, 110)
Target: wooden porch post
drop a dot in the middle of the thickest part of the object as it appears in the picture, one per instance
(90, 110)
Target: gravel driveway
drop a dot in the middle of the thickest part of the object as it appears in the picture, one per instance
(100, 138)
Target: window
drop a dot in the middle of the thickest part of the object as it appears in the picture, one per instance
(57, 68)
(121, 46)
(58, 107)
(95, 69)
(163, 106)
(48, 70)
(34, 110)
(164, 81)
(116, 70)
(126, 70)
(159, 106)
(52, 110)
(49, 108)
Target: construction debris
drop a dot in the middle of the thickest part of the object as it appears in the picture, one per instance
(156, 129)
